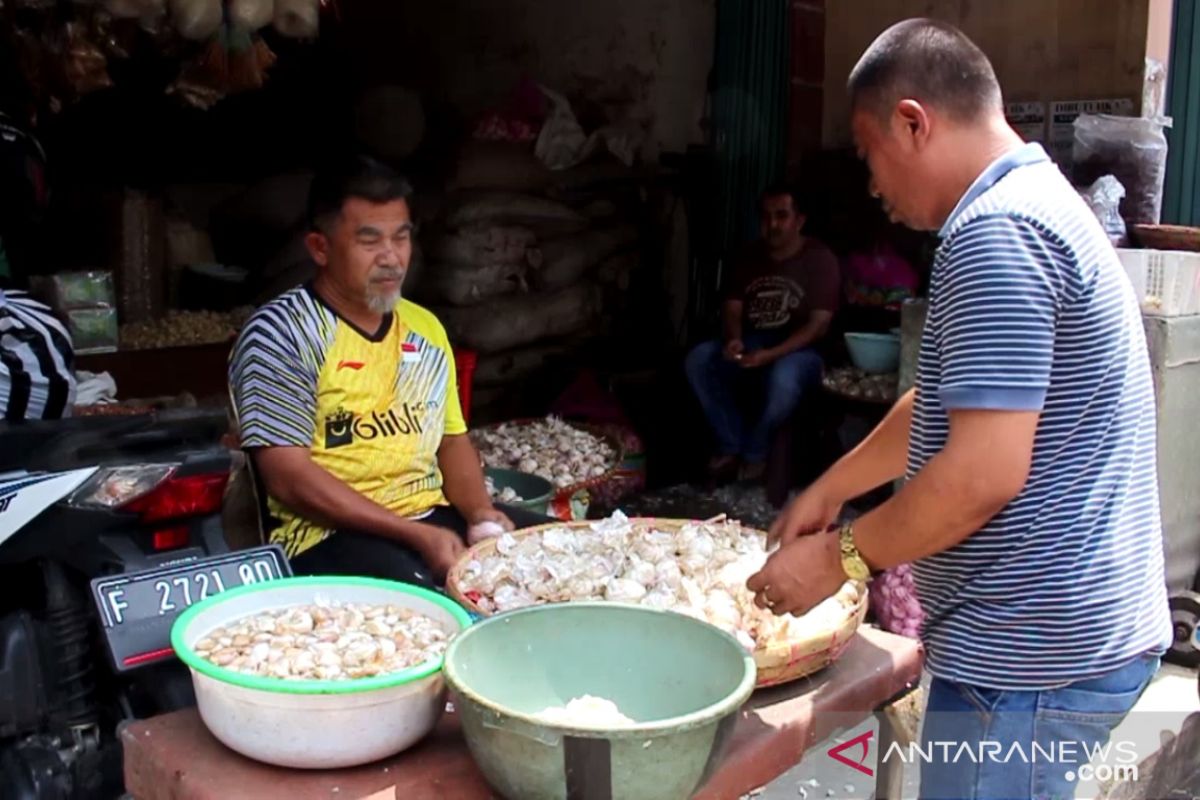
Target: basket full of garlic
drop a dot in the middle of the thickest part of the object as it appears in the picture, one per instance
(572, 456)
(690, 567)
(319, 673)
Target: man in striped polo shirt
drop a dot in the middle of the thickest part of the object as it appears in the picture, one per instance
(1030, 511)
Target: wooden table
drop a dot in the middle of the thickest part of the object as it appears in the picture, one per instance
(173, 757)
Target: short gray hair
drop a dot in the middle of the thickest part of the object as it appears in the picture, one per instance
(931, 62)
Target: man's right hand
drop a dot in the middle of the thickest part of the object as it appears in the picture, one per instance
(440, 547)
(734, 349)
(811, 511)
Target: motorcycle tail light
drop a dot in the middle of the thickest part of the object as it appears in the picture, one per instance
(171, 538)
(176, 497)
(152, 491)
(114, 487)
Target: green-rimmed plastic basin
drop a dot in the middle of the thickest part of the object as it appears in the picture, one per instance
(536, 492)
(315, 724)
(680, 679)
(874, 353)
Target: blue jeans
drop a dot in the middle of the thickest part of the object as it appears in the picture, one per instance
(715, 382)
(1054, 728)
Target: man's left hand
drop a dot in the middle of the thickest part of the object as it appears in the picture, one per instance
(799, 575)
(757, 358)
(486, 523)
(491, 515)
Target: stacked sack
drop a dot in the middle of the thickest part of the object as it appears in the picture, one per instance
(521, 262)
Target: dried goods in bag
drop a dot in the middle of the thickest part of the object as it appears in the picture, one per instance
(250, 15)
(196, 19)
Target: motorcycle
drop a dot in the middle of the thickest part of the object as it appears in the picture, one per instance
(110, 527)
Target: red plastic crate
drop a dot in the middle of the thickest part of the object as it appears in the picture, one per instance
(464, 365)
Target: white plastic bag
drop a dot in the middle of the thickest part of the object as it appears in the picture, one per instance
(623, 140)
(95, 389)
(250, 15)
(1104, 198)
(297, 19)
(1134, 149)
(561, 142)
(196, 19)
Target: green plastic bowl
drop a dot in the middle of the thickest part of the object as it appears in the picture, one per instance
(874, 353)
(680, 679)
(536, 490)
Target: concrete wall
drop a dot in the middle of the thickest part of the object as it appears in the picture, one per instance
(647, 58)
(1042, 49)
(1175, 359)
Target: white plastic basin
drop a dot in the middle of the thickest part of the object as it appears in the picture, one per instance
(315, 724)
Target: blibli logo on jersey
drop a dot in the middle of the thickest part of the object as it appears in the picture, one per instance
(343, 428)
(339, 429)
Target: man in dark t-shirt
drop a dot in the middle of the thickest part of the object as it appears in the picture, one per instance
(777, 305)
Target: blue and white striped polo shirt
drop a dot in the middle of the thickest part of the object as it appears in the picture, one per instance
(1030, 309)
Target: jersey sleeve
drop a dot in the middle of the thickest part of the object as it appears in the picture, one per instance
(274, 388)
(996, 323)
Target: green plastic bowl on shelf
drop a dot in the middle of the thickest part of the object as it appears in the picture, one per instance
(874, 353)
(536, 490)
(681, 680)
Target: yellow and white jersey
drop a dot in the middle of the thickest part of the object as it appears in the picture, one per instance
(371, 408)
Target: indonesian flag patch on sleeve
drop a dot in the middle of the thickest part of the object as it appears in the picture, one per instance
(409, 353)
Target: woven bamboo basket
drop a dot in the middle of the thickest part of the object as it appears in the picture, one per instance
(778, 662)
(563, 495)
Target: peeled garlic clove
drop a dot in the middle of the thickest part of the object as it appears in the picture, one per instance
(328, 672)
(387, 648)
(377, 626)
(223, 658)
(259, 653)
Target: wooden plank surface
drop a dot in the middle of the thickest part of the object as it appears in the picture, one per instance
(173, 757)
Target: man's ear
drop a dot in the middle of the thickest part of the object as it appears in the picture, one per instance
(318, 247)
(913, 122)
(801, 219)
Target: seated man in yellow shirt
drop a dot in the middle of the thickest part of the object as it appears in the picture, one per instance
(347, 401)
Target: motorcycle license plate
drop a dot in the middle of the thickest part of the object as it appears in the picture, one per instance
(137, 609)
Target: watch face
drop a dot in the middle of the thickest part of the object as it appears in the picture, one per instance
(852, 562)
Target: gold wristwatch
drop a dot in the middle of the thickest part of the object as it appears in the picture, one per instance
(852, 561)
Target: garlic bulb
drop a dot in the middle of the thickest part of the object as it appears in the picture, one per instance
(699, 569)
(549, 448)
(505, 495)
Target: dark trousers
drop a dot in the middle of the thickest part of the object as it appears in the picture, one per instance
(715, 382)
(364, 554)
